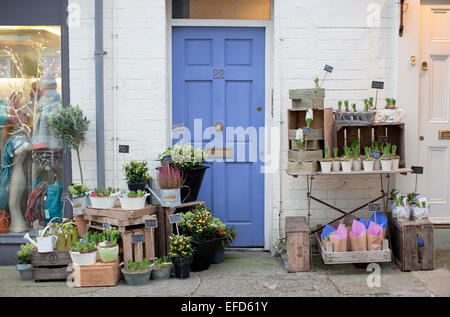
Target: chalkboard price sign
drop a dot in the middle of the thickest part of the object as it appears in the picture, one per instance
(106, 225)
(383, 139)
(124, 148)
(307, 130)
(151, 223)
(374, 207)
(167, 159)
(375, 154)
(328, 68)
(417, 169)
(175, 218)
(136, 238)
(378, 84)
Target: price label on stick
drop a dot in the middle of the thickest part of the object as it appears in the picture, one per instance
(124, 148)
(374, 207)
(377, 84)
(151, 223)
(106, 225)
(417, 169)
(167, 159)
(175, 218)
(307, 130)
(375, 154)
(383, 139)
(136, 238)
(328, 68)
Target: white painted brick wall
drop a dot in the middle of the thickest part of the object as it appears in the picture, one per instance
(307, 35)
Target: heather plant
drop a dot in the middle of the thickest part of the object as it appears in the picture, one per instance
(169, 177)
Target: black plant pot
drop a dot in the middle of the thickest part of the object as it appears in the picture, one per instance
(204, 253)
(194, 179)
(141, 186)
(182, 267)
(219, 255)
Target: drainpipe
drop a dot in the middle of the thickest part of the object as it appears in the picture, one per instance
(99, 97)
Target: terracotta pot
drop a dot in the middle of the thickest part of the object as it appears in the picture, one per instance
(81, 224)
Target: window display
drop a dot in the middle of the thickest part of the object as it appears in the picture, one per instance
(31, 157)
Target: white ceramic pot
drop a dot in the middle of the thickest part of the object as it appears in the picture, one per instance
(83, 259)
(356, 164)
(346, 166)
(133, 203)
(336, 166)
(368, 165)
(386, 165)
(103, 202)
(377, 165)
(325, 166)
(395, 163)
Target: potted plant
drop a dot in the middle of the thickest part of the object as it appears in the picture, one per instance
(339, 105)
(70, 125)
(356, 162)
(386, 161)
(346, 105)
(108, 250)
(377, 163)
(336, 166)
(189, 161)
(388, 103)
(83, 253)
(170, 182)
(346, 161)
(24, 257)
(326, 163)
(299, 138)
(181, 254)
(161, 269)
(203, 228)
(228, 236)
(66, 233)
(102, 198)
(371, 105)
(137, 273)
(133, 200)
(137, 176)
(368, 160)
(395, 158)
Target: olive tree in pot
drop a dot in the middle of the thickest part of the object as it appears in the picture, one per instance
(70, 125)
(137, 273)
(181, 254)
(24, 257)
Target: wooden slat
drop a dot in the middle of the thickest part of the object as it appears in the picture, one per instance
(49, 274)
(298, 167)
(309, 92)
(138, 248)
(316, 134)
(296, 224)
(399, 171)
(127, 247)
(99, 274)
(305, 156)
(328, 129)
(149, 243)
(119, 213)
(56, 258)
(161, 232)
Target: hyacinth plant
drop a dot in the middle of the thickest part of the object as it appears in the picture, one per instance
(367, 153)
(299, 138)
(388, 103)
(169, 177)
(394, 152)
(346, 153)
(355, 148)
(386, 151)
(346, 105)
(309, 117)
(339, 105)
(354, 107)
(325, 155)
(335, 153)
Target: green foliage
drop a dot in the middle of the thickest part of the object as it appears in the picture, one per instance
(346, 152)
(136, 172)
(180, 246)
(133, 194)
(386, 149)
(24, 254)
(394, 150)
(339, 104)
(78, 190)
(137, 266)
(335, 152)
(200, 224)
(325, 153)
(355, 147)
(346, 105)
(162, 263)
(185, 157)
(102, 192)
(366, 104)
(354, 107)
(83, 247)
(367, 151)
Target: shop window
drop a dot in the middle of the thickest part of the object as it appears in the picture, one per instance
(30, 91)
(221, 9)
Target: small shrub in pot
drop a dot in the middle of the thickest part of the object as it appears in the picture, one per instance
(181, 254)
(24, 258)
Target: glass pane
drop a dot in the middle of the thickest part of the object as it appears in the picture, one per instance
(221, 9)
(30, 91)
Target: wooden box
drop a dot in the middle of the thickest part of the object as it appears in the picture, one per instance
(301, 167)
(331, 257)
(50, 266)
(305, 156)
(306, 98)
(297, 234)
(138, 244)
(99, 274)
(404, 235)
(345, 134)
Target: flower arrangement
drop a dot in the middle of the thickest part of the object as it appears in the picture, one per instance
(180, 246)
(309, 117)
(169, 177)
(200, 224)
(299, 138)
(136, 172)
(184, 157)
(78, 190)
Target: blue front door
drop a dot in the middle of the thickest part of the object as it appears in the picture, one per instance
(218, 80)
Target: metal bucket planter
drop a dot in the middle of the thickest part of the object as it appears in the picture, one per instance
(83, 259)
(182, 266)
(161, 273)
(25, 271)
(79, 203)
(103, 202)
(137, 278)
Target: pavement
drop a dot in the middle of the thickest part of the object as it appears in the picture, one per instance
(250, 273)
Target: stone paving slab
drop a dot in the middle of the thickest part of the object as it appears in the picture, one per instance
(248, 274)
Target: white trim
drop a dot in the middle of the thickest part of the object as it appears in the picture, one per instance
(268, 25)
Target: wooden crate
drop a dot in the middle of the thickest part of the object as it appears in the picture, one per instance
(345, 134)
(165, 228)
(330, 257)
(138, 244)
(99, 274)
(301, 167)
(297, 234)
(404, 244)
(305, 156)
(50, 266)
(305, 98)
(308, 145)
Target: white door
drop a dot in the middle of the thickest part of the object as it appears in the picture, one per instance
(434, 152)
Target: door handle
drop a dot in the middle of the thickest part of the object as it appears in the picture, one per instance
(424, 65)
(218, 126)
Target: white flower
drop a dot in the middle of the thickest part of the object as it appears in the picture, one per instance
(309, 114)
(315, 75)
(299, 135)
